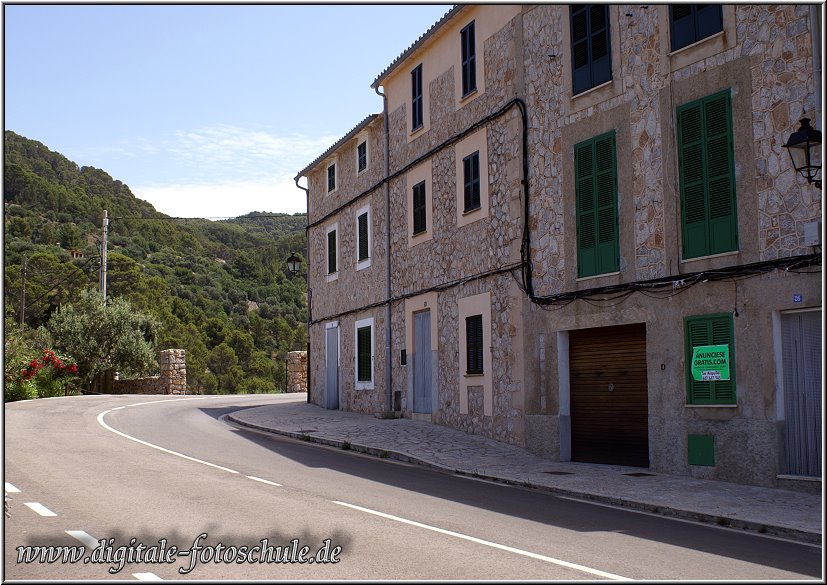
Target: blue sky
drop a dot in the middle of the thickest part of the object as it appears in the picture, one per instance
(203, 110)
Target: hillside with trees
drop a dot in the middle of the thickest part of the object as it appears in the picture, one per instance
(218, 289)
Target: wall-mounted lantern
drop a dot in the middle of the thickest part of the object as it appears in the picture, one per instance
(804, 147)
(294, 263)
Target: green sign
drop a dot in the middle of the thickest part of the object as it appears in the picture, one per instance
(710, 363)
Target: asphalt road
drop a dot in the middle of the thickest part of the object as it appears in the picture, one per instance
(163, 471)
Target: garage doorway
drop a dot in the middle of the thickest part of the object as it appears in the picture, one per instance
(609, 399)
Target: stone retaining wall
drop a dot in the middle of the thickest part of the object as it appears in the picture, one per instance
(173, 378)
(296, 371)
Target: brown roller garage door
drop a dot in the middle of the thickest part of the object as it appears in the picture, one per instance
(609, 402)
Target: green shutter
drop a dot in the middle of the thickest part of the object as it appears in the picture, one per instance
(710, 330)
(707, 176)
(363, 335)
(331, 252)
(595, 164)
(363, 237)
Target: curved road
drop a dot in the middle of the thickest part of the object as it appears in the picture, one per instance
(164, 470)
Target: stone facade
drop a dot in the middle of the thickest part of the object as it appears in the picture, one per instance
(296, 371)
(172, 380)
(468, 263)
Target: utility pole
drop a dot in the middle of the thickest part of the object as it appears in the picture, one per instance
(23, 295)
(103, 256)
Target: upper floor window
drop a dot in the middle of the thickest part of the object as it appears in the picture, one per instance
(363, 238)
(471, 181)
(590, 46)
(707, 176)
(419, 208)
(416, 98)
(595, 167)
(331, 178)
(468, 59)
(690, 23)
(332, 248)
(362, 156)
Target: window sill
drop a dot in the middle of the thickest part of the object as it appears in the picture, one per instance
(363, 264)
(468, 96)
(364, 386)
(467, 375)
(593, 276)
(418, 130)
(710, 406)
(471, 211)
(696, 43)
(591, 89)
(721, 255)
(332, 277)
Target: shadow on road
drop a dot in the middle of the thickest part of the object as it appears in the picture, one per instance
(538, 506)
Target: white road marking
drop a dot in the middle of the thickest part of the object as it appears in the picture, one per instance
(40, 508)
(518, 551)
(11, 489)
(146, 577)
(268, 482)
(107, 427)
(86, 538)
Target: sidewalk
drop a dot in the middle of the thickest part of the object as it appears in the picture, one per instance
(772, 511)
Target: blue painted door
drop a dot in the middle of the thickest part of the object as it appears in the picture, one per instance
(332, 368)
(423, 370)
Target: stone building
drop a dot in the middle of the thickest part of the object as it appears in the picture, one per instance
(559, 204)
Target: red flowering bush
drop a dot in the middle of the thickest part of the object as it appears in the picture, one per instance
(39, 377)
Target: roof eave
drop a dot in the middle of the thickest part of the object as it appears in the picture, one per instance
(417, 44)
(358, 128)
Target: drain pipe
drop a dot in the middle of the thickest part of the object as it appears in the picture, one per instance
(309, 295)
(815, 36)
(388, 348)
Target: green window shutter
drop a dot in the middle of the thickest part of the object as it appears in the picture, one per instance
(710, 330)
(363, 335)
(331, 252)
(707, 176)
(598, 242)
(473, 344)
(363, 236)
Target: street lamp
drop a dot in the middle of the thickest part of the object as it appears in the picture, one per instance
(294, 263)
(804, 147)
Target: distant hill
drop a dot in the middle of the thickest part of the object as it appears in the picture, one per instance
(220, 288)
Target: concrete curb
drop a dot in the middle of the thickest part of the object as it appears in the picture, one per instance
(666, 511)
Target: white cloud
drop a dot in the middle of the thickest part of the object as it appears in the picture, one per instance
(222, 171)
(229, 199)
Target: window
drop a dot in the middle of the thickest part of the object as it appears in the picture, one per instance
(707, 176)
(332, 265)
(416, 98)
(362, 156)
(473, 344)
(710, 330)
(471, 181)
(690, 23)
(331, 178)
(364, 354)
(591, 60)
(469, 59)
(419, 213)
(598, 246)
(363, 238)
